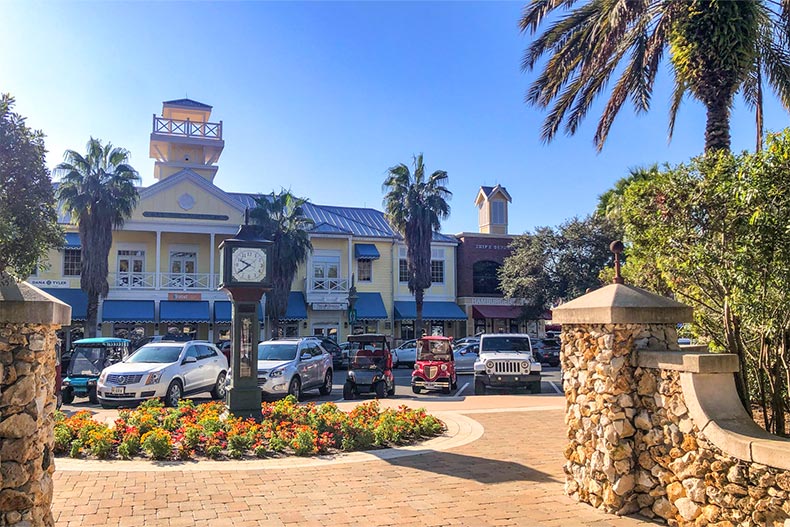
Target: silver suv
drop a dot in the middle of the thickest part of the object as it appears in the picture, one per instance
(291, 366)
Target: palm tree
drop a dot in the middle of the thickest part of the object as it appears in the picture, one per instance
(98, 190)
(282, 220)
(414, 207)
(715, 48)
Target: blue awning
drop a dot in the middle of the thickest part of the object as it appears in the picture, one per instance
(73, 240)
(297, 308)
(430, 311)
(76, 298)
(128, 311)
(183, 311)
(366, 251)
(370, 306)
(222, 312)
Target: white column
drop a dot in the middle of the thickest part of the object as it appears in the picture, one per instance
(211, 283)
(158, 259)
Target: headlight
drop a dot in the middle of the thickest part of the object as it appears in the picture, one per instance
(444, 367)
(103, 376)
(154, 377)
(66, 382)
(490, 364)
(525, 365)
(277, 373)
(352, 375)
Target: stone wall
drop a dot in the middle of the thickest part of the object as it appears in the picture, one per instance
(634, 445)
(27, 403)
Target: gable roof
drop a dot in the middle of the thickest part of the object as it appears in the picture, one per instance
(190, 175)
(490, 191)
(188, 103)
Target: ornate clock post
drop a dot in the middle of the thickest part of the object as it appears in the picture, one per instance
(245, 274)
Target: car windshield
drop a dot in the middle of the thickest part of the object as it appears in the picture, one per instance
(408, 344)
(156, 354)
(279, 351)
(434, 350)
(367, 355)
(87, 361)
(506, 344)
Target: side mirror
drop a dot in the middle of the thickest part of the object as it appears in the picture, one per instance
(306, 356)
(189, 360)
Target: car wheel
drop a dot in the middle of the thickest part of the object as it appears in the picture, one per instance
(446, 391)
(391, 391)
(348, 391)
(416, 389)
(219, 388)
(480, 387)
(295, 388)
(173, 394)
(93, 397)
(534, 387)
(67, 395)
(381, 390)
(326, 388)
(59, 400)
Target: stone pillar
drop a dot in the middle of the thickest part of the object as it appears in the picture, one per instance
(601, 333)
(28, 321)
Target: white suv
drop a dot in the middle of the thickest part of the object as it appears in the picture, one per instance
(169, 370)
(506, 361)
(290, 366)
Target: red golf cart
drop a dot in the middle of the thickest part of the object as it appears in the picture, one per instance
(434, 368)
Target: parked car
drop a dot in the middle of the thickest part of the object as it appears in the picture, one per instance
(370, 367)
(506, 361)
(293, 365)
(170, 370)
(88, 358)
(466, 340)
(405, 354)
(225, 347)
(465, 357)
(435, 367)
(338, 360)
(547, 350)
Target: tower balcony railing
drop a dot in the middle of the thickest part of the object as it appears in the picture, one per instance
(187, 128)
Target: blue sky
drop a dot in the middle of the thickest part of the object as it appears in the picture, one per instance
(323, 97)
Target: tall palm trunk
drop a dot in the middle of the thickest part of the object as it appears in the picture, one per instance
(419, 294)
(717, 126)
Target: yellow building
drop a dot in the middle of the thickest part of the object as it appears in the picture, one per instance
(164, 263)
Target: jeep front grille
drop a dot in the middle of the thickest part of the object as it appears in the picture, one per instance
(507, 366)
(430, 371)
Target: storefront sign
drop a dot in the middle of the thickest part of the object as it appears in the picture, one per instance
(490, 301)
(49, 283)
(324, 306)
(492, 247)
(184, 296)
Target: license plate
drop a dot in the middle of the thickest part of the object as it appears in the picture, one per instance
(118, 390)
(431, 385)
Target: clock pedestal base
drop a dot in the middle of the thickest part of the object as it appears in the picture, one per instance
(245, 402)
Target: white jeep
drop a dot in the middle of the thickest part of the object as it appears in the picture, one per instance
(506, 361)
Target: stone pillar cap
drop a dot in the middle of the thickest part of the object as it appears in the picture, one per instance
(23, 303)
(621, 304)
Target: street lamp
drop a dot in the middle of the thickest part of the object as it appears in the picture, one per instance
(245, 273)
(352, 300)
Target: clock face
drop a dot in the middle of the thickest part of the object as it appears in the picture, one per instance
(248, 265)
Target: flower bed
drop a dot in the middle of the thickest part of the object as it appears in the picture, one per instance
(206, 430)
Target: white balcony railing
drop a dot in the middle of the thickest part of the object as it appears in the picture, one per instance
(328, 285)
(187, 128)
(168, 281)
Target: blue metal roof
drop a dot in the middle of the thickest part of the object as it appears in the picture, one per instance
(363, 222)
(366, 251)
(183, 311)
(76, 298)
(73, 240)
(370, 306)
(297, 308)
(407, 310)
(222, 311)
(128, 311)
(105, 341)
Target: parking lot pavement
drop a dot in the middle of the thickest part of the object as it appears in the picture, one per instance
(511, 475)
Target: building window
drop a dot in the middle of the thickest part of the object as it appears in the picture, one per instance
(407, 329)
(403, 265)
(437, 266)
(131, 269)
(498, 212)
(365, 270)
(72, 262)
(485, 278)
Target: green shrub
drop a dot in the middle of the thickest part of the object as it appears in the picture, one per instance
(157, 443)
(63, 438)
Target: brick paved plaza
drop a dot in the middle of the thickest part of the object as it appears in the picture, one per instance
(511, 475)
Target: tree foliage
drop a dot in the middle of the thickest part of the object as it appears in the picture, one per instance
(550, 266)
(415, 205)
(98, 191)
(717, 229)
(281, 219)
(716, 47)
(28, 217)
